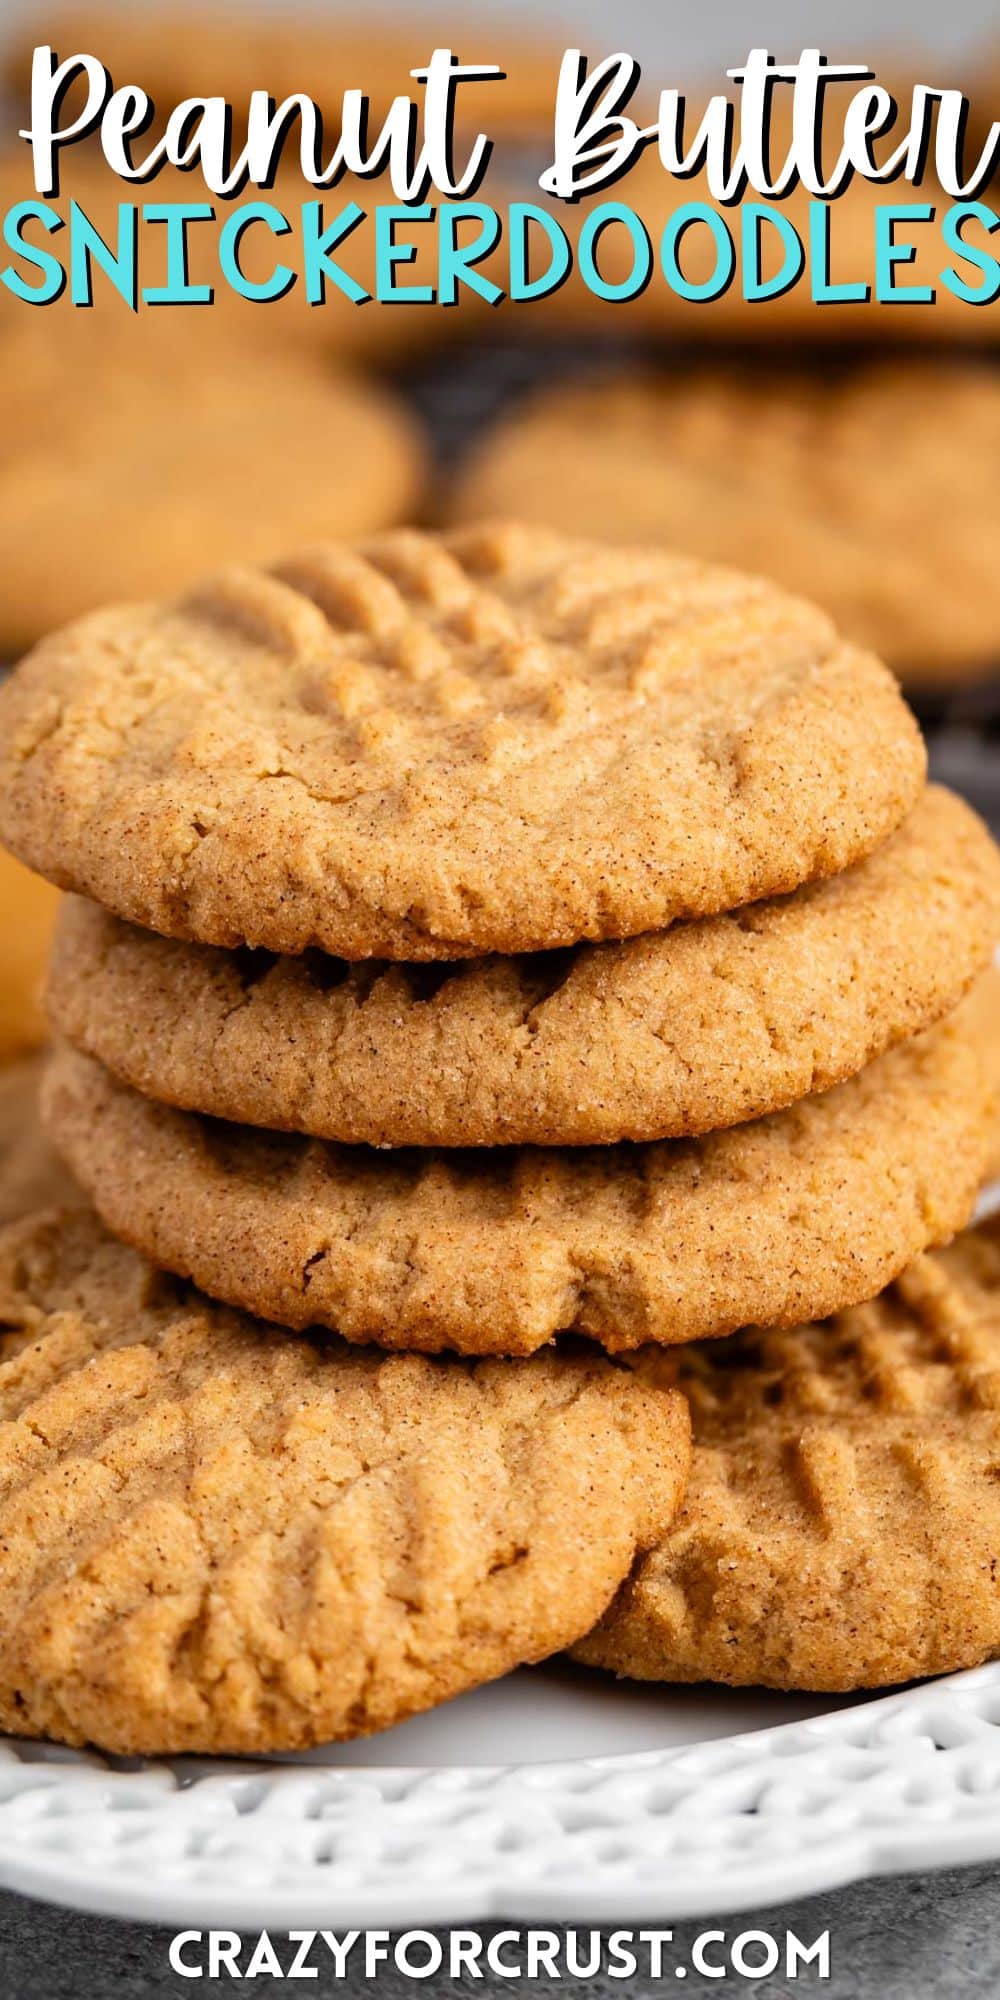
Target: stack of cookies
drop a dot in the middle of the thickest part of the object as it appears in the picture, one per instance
(478, 941)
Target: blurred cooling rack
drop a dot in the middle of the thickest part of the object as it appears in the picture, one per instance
(460, 392)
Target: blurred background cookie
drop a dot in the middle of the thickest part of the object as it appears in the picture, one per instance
(27, 916)
(129, 457)
(871, 486)
(31, 1174)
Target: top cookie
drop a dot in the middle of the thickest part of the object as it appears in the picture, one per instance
(219, 1540)
(871, 489)
(496, 740)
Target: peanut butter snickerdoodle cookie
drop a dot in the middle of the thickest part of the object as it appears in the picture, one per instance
(432, 747)
(31, 1174)
(28, 908)
(496, 1252)
(680, 1031)
(870, 488)
(219, 1540)
(842, 1520)
(132, 460)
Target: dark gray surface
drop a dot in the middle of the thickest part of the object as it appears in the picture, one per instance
(917, 1938)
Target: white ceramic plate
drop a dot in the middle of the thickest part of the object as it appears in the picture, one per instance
(663, 1804)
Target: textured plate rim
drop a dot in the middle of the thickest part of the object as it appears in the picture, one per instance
(905, 1781)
